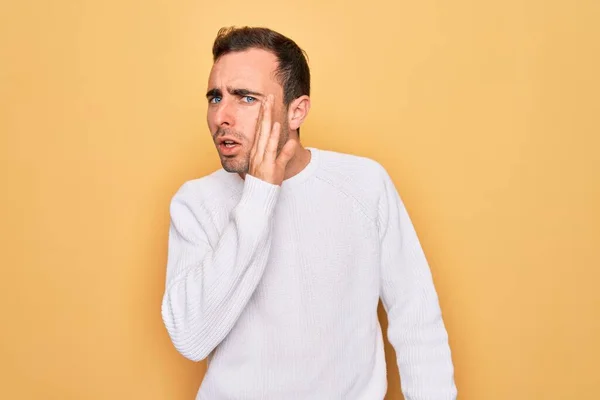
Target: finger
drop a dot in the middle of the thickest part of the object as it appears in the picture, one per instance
(257, 130)
(271, 150)
(287, 152)
(265, 127)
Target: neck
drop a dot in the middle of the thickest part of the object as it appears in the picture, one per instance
(298, 162)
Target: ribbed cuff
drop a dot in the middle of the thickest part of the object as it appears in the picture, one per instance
(259, 195)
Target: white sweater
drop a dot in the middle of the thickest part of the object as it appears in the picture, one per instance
(279, 285)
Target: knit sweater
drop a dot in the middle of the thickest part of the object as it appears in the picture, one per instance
(278, 286)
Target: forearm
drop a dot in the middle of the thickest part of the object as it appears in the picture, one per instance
(207, 288)
(418, 334)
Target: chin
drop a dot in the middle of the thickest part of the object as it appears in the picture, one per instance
(234, 165)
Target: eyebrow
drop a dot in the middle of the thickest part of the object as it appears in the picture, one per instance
(234, 91)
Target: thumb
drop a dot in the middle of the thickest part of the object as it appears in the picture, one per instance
(287, 152)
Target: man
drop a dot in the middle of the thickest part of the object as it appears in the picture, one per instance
(277, 261)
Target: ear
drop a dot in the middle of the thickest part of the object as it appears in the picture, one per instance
(298, 111)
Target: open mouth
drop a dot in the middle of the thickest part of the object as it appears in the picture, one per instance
(229, 147)
(229, 144)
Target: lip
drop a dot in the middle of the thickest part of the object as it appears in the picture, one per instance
(228, 151)
(224, 139)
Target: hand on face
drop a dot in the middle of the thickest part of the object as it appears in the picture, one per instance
(265, 163)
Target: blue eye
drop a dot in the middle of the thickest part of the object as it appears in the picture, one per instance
(214, 100)
(249, 99)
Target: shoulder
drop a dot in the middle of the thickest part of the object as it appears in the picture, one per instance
(206, 192)
(353, 170)
(362, 178)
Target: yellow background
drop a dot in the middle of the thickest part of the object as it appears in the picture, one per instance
(485, 113)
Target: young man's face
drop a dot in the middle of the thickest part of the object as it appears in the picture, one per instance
(238, 83)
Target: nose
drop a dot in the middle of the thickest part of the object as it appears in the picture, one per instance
(224, 114)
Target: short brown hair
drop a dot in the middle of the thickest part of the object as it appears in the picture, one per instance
(293, 72)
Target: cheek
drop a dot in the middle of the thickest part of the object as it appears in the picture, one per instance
(247, 118)
(281, 115)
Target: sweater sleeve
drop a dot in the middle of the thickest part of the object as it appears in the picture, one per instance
(415, 326)
(207, 288)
